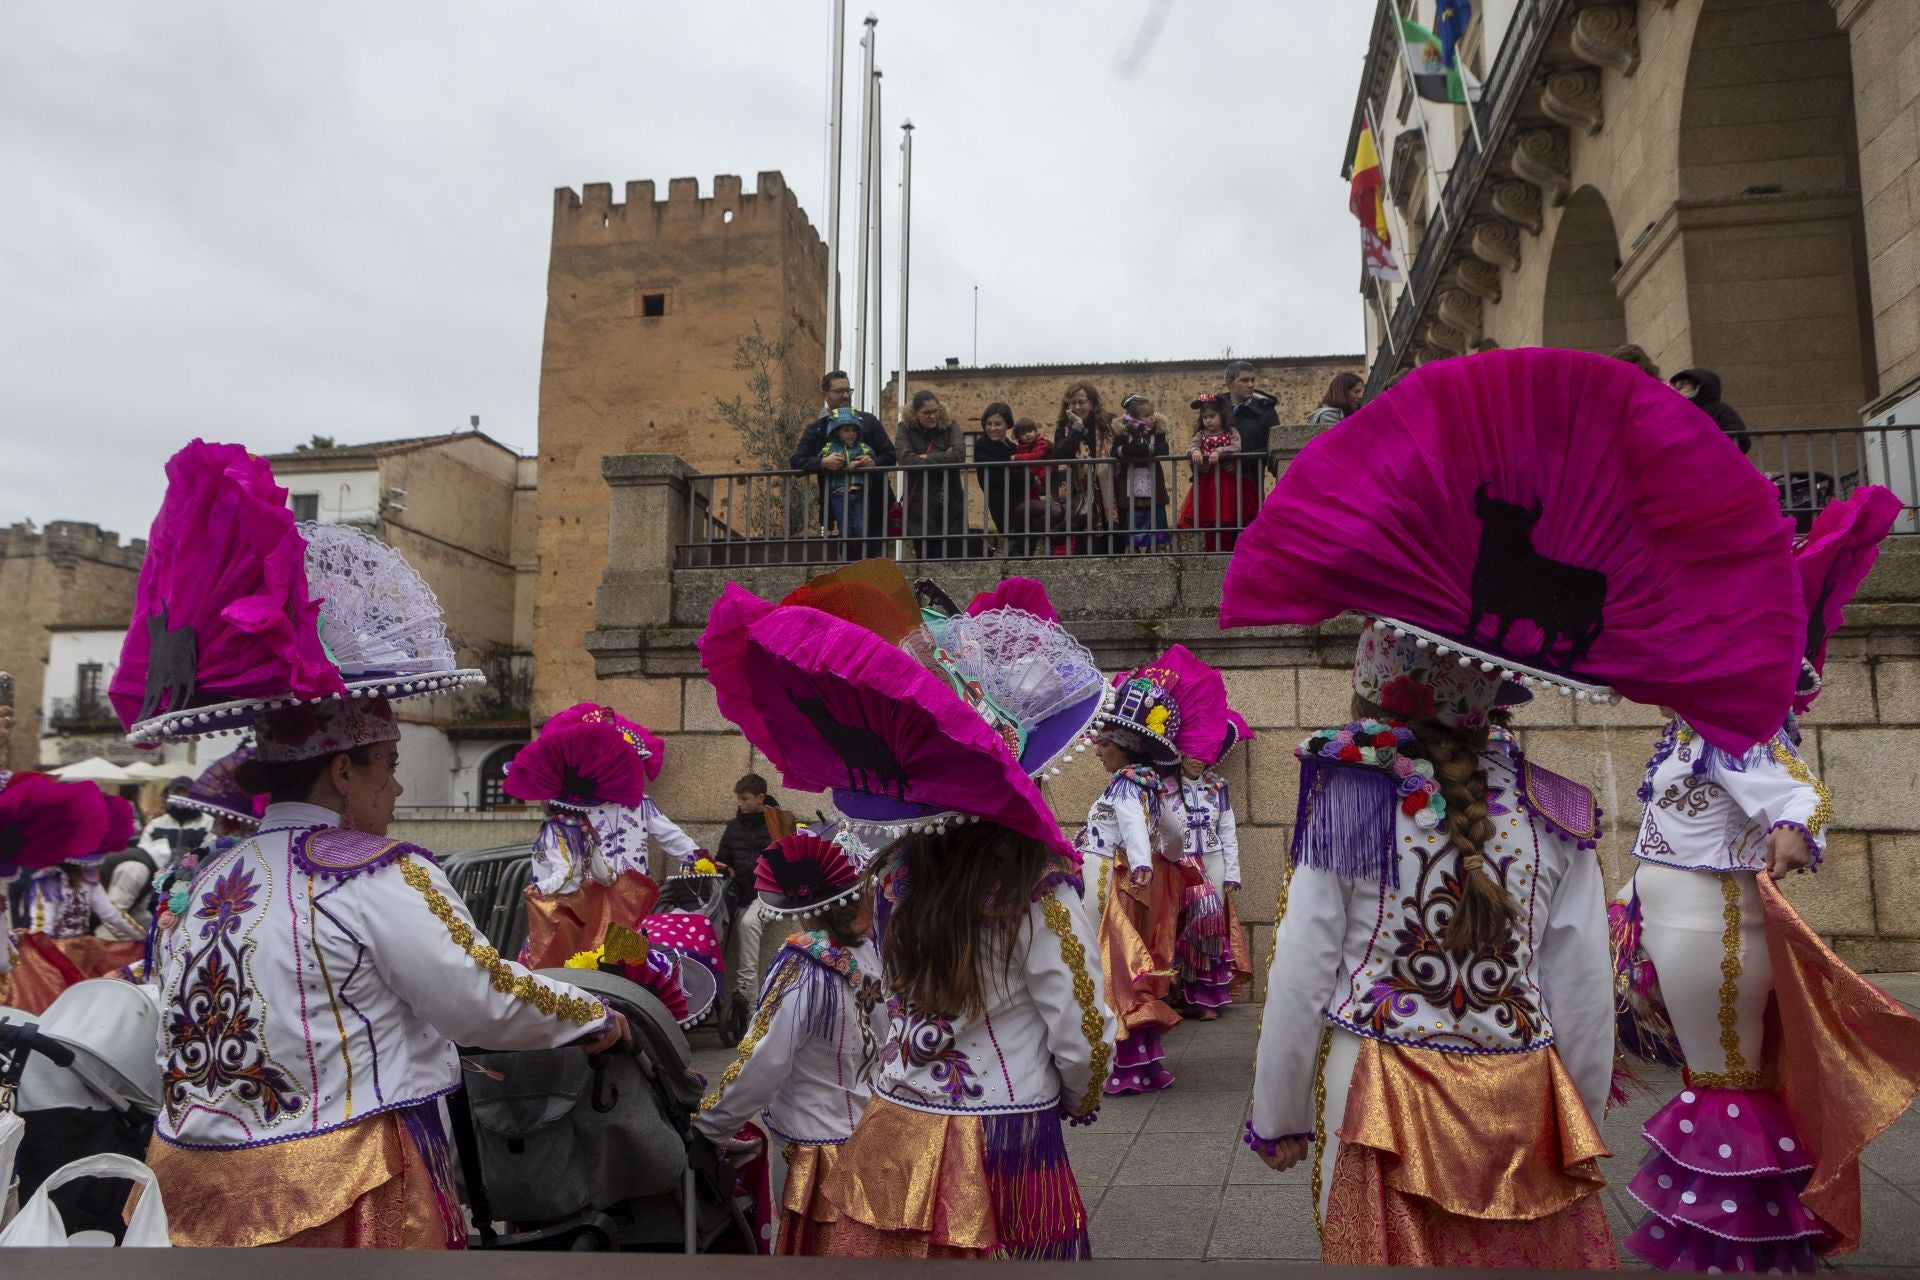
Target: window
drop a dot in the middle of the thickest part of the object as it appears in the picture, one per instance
(306, 506)
(86, 685)
(493, 774)
(653, 304)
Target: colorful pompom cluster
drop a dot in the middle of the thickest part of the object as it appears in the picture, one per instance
(1381, 744)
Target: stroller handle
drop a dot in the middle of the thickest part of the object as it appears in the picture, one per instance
(21, 1040)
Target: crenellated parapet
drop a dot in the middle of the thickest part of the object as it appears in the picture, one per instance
(591, 215)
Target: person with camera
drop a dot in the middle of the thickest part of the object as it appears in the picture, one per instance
(1140, 488)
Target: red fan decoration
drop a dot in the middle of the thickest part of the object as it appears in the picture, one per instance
(1024, 594)
(1551, 509)
(1200, 693)
(221, 611)
(802, 869)
(580, 764)
(44, 822)
(1834, 560)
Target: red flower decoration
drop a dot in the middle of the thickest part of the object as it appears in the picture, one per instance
(1405, 696)
(1386, 738)
(1413, 804)
(1351, 754)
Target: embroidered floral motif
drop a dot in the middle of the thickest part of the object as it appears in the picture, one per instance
(1692, 795)
(213, 1032)
(928, 1042)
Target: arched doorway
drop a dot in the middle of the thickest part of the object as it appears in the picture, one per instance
(493, 775)
(1581, 310)
(1770, 217)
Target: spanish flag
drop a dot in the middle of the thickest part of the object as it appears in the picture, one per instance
(1364, 197)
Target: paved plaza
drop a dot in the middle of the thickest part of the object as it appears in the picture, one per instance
(1166, 1176)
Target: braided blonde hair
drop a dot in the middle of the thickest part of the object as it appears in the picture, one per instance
(1486, 914)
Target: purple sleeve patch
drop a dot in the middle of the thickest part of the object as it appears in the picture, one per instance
(1563, 804)
(341, 855)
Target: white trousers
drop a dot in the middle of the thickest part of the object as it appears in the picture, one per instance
(1694, 921)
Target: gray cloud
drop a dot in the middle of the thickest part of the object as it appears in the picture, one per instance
(260, 222)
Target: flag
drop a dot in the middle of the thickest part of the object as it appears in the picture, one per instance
(1364, 199)
(1449, 27)
(1424, 63)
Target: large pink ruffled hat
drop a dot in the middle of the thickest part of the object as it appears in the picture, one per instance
(1555, 518)
(1832, 561)
(911, 718)
(1172, 707)
(240, 611)
(584, 757)
(45, 822)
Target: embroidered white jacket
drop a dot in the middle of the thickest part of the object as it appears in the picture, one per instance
(1045, 1040)
(1131, 819)
(1361, 953)
(321, 976)
(806, 1065)
(1211, 835)
(1708, 811)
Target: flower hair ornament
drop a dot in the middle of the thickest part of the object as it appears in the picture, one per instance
(1500, 510)
(239, 611)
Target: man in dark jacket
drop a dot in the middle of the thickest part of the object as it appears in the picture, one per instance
(838, 393)
(1702, 386)
(1253, 416)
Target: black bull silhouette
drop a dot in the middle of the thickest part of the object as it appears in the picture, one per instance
(871, 764)
(1512, 582)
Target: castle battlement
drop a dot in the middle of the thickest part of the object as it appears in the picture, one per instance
(591, 216)
(71, 540)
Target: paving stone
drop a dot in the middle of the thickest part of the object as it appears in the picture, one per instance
(1177, 1160)
(1249, 1170)
(1212, 1073)
(1124, 1114)
(1886, 1216)
(1266, 1222)
(1095, 1155)
(1895, 1156)
(1177, 1112)
(1154, 1222)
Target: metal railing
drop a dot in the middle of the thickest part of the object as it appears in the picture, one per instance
(1091, 507)
(974, 510)
(83, 715)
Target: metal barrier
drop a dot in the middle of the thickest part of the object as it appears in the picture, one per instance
(1116, 507)
(972, 510)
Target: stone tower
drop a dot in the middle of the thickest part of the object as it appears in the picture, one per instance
(647, 303)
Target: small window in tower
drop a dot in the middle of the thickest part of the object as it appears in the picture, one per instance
(653, 304)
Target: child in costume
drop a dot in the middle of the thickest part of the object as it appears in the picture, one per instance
(805, 1065)
(998, 1031)
(1753, 1165)
(60, 832)
(315, 987)
(1135, 840)
(1221, 499)
(1213, 955)
(1435, 1034)
(588, 766)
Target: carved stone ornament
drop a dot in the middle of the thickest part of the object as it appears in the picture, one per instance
(1497, 242)
(1573, 98)
(1446, 338)
(1605, 35)
(1460, 310)
(1482, 279)
(1518, 202)
(1540, 156)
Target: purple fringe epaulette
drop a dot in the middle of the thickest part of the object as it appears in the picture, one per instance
(335, 854)
(1563, 805)
(1059, 875)
(1345, 822)
(1136, 781)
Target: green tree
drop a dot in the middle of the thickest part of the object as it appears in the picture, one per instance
(768, 423)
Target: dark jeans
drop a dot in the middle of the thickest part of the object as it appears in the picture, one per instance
(850, 514)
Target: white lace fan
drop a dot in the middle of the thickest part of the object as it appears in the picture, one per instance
(378, 617)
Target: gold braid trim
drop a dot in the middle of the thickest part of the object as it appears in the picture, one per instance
(1320, 1121)
(521, 986)
(762, 1019)
(1736, 1076)
(1092, 1025)
(1797, 770)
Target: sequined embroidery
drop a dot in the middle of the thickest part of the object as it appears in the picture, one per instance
(762, 1020)
(1798, 771)
(1092, 1024)
(1736, 1076)
(1320, 1121)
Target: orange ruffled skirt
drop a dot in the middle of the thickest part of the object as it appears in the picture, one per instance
(1466, 1160)
(562, 927)
(45, 966)
(916, 1184)
(809, 1224)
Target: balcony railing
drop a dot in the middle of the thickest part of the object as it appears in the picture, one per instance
(83, 715)
(1089, 507)
(973, 510)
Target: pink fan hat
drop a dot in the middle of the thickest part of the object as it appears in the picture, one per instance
(652, 749)
(1200, 693)
(45, 822)
(1024, 594)
(1556, 516)
(803, 873)
(218, 792)
(836, 707)
(1832, 562)
(1238, 731)
(578, 764)
(221, 611)
(122, 824)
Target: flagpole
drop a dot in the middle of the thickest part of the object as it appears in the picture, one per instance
(1426, 135)
(1386, 322)
(835, 145)
(869, 397)
(906, 262)
(1386, 203)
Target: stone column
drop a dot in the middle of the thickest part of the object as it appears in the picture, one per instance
(651, 501)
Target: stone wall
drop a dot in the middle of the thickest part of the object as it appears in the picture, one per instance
(615, 379)
(1289, 681)
(1034, 391)
(65, 574)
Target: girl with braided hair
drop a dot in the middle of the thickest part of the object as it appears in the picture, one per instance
(1437, 1032)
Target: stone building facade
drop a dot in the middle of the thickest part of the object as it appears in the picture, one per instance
(1730, 184)
(648, 302)
(69, 576)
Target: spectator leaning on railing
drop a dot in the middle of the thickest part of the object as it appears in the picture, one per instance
(1004, 487)
(929, 447)
(808, 457)
(1085, 430)
(1253, 417)
(1344, 396)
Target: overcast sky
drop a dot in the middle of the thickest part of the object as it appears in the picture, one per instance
(260, 221)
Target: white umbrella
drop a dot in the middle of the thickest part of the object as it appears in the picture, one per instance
(97, 769)
(153, 771)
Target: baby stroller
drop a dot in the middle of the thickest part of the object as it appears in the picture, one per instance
(589, 1154)
(691, 923)
(83, 1079)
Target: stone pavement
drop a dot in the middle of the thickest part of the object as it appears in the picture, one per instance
(1166, 1176)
